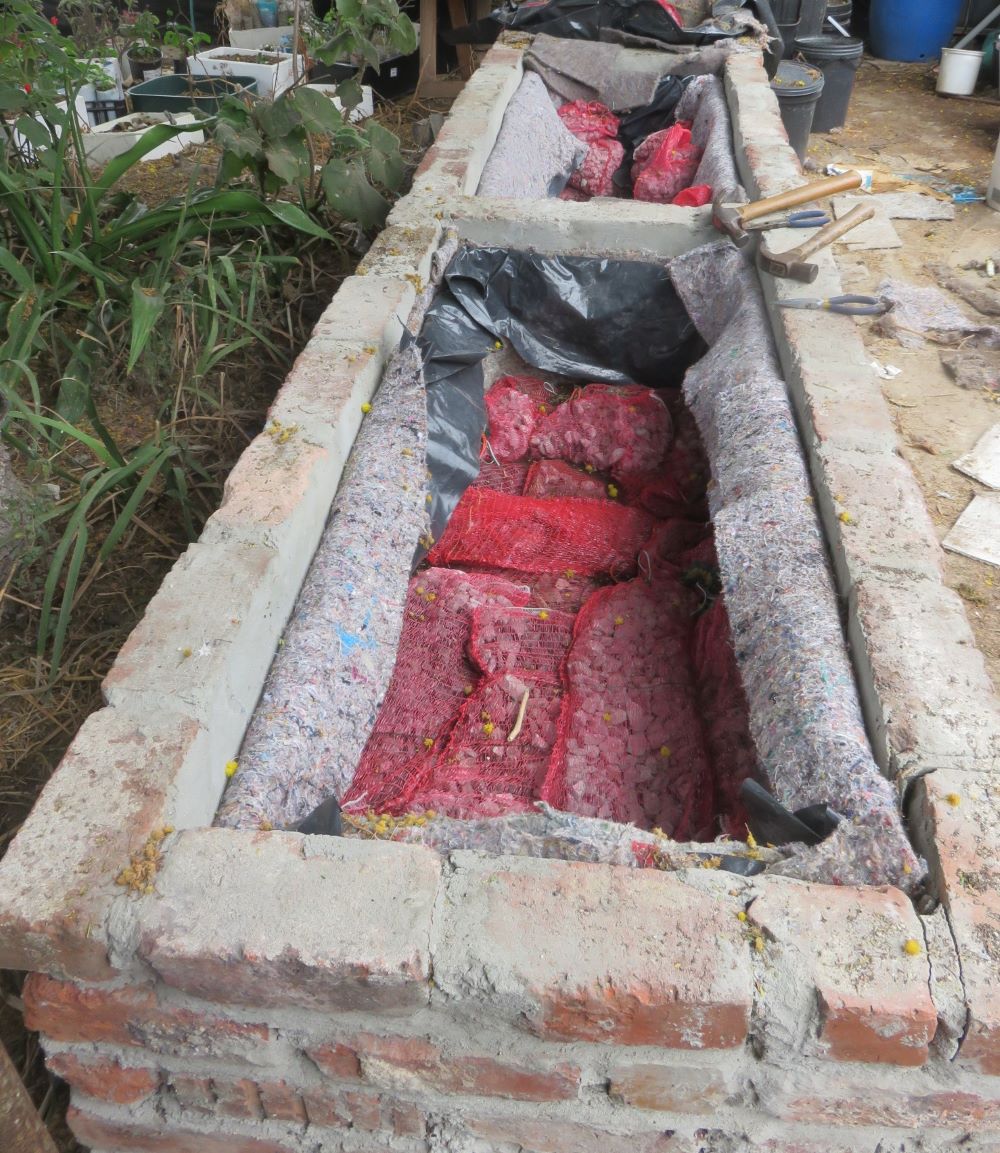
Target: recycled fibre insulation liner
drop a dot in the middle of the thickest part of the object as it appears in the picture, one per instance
(804, 711)
(329, 677)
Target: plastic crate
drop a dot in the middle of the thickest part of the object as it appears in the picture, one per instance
(182, 93)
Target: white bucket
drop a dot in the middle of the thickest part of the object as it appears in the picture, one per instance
(959, 71)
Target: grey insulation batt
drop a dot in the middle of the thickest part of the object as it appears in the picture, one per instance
(805, 714)
(329, 676)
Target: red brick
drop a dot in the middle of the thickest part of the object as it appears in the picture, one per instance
(864, 1104)
(546, 1136)
(408, 1121)
(337, 1061)
(480, 1076)
(108, 794)
(238, 1099)
(341, 1108)
(874, 1000)
(282, 1102)
(65, 1011)
(193, 1093)
(106, 1080)
(677, 1089)
(112, 1138)
(960, 813)
(373, 957)
(579, 951)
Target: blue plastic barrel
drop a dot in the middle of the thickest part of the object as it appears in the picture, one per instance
(912, 29)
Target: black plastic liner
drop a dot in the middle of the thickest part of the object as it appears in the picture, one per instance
(574, 316)
(589, 19)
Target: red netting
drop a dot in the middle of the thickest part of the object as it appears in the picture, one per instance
(557, 478)
(664, 164)
(725, 712)
(531, 641)
(596, 175)
(624, 428)
(482, 770)
(428, 683)
(522, 533)
(514, 406)
(634, 708)
(570, 193)
(631, 745)
(509, 478)
(589, 120)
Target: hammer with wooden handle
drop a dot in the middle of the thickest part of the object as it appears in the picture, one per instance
(793, 263)
(732, 218)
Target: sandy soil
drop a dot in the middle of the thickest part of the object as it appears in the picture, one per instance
(899, 124)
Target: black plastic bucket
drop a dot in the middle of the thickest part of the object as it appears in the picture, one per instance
(798, 87)
(798, 18)
(838, 58)
(842, 13)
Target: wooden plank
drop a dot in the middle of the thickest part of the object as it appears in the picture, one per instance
(459, 18)
(21, 1129)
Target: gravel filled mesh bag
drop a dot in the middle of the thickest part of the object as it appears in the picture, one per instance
(620, 428)
(631, 743)
(424, 696)
(522, 533)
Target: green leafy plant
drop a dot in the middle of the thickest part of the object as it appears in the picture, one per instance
(278, 143)
(96, 284)
(184, 39)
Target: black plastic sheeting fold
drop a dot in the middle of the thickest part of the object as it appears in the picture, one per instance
(593, 319)
(588, 19)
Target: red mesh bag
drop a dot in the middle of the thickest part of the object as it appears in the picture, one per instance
(664, 164)
(509, 477)
(514, 406)
(428, 684)
(693, 197)
(557, 478)
(589, 120)
(624, 428)
(482, 772)
(677, 486)
(631, 746)
(517, 532)
(564, 591)
(570, 193)
(523, 639)
(671, 12)
(596, 175)
(726, 715)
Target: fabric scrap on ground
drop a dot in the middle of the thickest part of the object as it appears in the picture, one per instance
(923, 311)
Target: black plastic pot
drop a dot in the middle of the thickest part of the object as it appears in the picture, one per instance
(140, 65)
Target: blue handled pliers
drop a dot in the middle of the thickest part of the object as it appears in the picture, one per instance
(807, 218)
(848, 305)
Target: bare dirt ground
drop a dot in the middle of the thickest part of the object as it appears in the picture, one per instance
(897, 123)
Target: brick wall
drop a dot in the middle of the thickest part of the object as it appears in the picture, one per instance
(280, 994)
(288, 995)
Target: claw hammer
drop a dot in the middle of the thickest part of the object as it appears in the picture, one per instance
(732, 218)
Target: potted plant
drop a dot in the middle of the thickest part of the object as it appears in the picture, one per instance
(184, 40)
(141, 31)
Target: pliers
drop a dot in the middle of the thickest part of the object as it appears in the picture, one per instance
(848, 305)
(807, 218)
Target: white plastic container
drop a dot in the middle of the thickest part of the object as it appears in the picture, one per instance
(273, 71)
(959, 71)
(993, 190)
(365, 109)
(106, 141)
